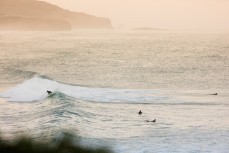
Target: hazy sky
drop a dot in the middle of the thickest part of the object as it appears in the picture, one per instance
(172, 14)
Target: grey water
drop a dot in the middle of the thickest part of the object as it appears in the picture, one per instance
(101, 79)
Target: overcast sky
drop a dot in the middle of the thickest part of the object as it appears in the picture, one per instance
(171, 14)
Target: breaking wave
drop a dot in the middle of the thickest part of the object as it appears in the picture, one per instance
(35, 89)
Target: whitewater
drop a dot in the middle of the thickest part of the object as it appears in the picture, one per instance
(100, 81)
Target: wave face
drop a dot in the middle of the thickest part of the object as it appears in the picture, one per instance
(35, 90)
(30, 90)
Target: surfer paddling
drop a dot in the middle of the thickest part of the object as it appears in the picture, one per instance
(49, 92)
(151, 121)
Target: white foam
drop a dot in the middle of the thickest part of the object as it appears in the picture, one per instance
(30, 90)
(35, 90)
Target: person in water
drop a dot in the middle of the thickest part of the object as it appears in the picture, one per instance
(151, 121)
(140, 112)
(49, 92)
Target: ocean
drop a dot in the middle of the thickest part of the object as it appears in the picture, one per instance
(100, 81)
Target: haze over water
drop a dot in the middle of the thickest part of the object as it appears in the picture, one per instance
(202, 15)
(101, 79)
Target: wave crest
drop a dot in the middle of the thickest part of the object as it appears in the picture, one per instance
(35, 89)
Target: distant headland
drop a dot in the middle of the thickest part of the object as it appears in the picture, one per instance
(149, 28)
(40, 16)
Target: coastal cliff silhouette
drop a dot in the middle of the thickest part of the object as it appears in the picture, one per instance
(39, 15)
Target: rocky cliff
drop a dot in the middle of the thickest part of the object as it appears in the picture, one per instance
(39, 15)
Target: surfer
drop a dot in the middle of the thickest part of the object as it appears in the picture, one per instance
(214, 94)
(49, 92)
(151, 121)
(140, 112)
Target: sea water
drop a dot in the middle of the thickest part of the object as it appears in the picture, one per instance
(101, 79)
